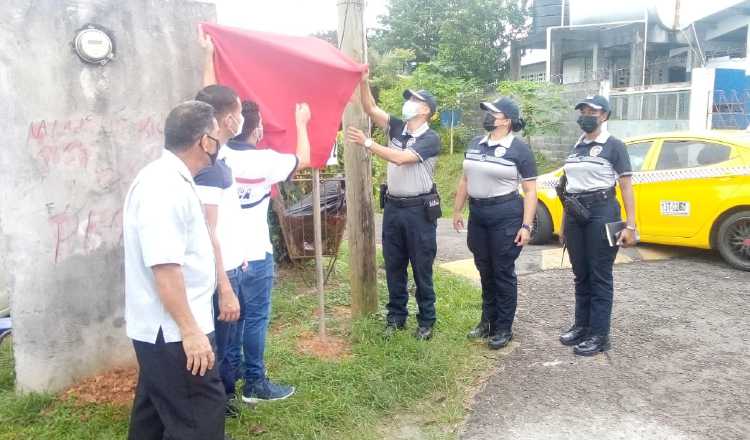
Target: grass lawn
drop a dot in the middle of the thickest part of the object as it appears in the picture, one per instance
(358, 396)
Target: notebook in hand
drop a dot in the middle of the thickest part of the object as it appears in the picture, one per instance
(613, 232)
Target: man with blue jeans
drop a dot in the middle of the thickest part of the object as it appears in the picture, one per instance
(255, 172)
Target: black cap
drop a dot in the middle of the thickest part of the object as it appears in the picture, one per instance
(424, 96)
(504, 106)
(597, 102)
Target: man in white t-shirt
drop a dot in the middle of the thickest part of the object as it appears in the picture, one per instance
(170, 277)
(255, 172)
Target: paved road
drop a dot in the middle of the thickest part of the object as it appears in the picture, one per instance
(679, 368)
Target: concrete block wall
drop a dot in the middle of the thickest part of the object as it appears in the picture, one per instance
(74, 136)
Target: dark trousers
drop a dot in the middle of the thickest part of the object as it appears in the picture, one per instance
(491, 238)
(592, 259)
(170, 403)
(409, 238)
(226, 334)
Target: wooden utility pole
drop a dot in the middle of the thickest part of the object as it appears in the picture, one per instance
(360, 222)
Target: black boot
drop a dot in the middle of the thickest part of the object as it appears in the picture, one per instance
(574, 335)
(423, 333)
(500, 339)
(481, 331)
(592, 346)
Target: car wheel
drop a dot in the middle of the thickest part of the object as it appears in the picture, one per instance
(733, 240)
(542, 232)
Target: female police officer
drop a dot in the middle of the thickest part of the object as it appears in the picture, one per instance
(596, 164)
(499, 218)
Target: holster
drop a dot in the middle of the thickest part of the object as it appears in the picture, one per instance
(576, 209)
(383, 194)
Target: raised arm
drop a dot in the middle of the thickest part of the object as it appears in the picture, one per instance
(209, 75)
(302, 117)
(378, 115)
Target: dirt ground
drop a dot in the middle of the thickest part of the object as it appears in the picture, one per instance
(679, 367)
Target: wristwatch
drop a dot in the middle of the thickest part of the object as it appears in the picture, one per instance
(527, 227)
(368, 143)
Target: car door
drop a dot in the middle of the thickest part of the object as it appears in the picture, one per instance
(682, 188)
(641, 153)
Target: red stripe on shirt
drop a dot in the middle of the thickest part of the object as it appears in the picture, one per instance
(250, 181)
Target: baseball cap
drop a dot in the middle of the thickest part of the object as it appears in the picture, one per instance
(597, 102)
(424, 96)
(504, 106)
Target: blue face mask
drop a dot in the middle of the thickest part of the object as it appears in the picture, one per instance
(409, 110)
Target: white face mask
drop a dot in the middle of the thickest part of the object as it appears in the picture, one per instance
(240, 122)
(409, 110)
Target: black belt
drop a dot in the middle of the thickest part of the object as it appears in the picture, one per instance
(406, 202)
(494, 200)
(594, 196)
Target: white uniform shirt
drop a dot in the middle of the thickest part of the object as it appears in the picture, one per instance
(163, 223)
(255, 172)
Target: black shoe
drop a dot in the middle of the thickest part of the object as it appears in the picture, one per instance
(481, 331)
(574, 335)
(499, 340)
(232, 410)
(423, 333)
(592, 346)
(391, 328)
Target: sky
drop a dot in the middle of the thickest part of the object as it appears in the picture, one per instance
(291, 17)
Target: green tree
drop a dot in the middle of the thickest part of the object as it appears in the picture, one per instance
(467, 38)
(413, 25)
(541, 104)
(475, 38)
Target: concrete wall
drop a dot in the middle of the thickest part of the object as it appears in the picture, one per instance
(74, 137)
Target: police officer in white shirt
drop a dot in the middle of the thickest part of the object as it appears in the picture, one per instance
(499, 218)
(598, 162)
(170, 277)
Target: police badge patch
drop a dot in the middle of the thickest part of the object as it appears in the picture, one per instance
(595, 151)
(500, 151)
(410, 142)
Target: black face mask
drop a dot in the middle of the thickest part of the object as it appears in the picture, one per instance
(589, 124)
(489, 122)
(213, 156)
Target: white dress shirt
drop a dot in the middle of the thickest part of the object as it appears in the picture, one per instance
(163, 223)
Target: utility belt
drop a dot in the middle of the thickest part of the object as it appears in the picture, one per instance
(577, 205)
(430, 202)
(489, 201)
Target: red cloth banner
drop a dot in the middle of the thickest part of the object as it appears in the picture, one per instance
(278, 71)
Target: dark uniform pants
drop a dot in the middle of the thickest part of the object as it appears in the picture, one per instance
(409, 237)
(592, 259)
(491, 238)
(172, 404)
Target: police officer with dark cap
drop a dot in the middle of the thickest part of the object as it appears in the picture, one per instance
(411, 203)
(500, 220)
(598, 162)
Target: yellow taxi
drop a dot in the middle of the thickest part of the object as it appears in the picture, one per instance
(691, 189)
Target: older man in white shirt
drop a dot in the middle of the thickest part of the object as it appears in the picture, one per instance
(170, 277)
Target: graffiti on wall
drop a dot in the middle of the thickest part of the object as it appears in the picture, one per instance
(92, 159)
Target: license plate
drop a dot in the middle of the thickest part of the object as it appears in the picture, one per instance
(674, 208)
